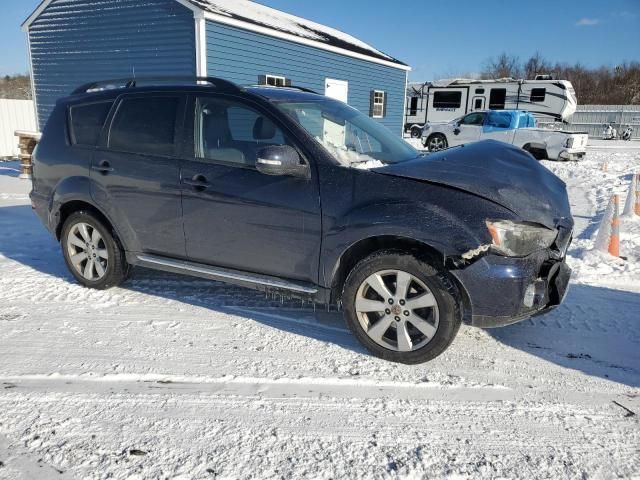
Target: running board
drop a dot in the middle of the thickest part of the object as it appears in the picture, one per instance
(222, 274)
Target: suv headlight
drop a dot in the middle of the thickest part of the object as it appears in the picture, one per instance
(519, 239)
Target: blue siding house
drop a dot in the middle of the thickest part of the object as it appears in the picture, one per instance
(72, 42)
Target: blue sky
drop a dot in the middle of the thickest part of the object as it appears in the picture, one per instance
(436, 38)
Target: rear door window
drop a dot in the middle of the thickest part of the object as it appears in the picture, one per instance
(86, 122)
(145, 125)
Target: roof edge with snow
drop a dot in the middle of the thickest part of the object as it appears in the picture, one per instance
(252, 16)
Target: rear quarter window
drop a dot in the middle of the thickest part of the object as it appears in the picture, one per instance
(86, 122)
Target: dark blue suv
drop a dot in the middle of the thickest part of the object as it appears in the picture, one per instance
(283, 189)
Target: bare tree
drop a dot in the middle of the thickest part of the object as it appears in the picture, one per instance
(15, 87)
(619, 85)
(502, 66)
(536, 65)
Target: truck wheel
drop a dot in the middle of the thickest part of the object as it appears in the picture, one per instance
(93, 256)
(400, 308)
(436, 142)
(416, 132)
(537, 153)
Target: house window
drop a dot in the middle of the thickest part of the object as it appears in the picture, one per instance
(538, 94)
(497, 98)
(448, 100)
(377, 104)
(479, 91)
(273, 80)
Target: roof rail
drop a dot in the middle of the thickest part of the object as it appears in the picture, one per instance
(219, 83)
(303, 89)
(294, 87)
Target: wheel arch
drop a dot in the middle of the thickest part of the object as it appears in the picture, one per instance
(370, 245)
(70, 207)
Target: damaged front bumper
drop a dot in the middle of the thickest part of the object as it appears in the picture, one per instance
(504, 290)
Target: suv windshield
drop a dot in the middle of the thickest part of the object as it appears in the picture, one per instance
(352, 138)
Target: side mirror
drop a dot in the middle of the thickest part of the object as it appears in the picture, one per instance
(281, 160)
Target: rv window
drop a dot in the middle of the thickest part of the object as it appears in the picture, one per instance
(538, 94)
(479, 91)
(497, 98)
(447, 99)
(478, 104)
(413, 106)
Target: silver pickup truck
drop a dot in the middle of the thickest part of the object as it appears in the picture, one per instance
(516, 127)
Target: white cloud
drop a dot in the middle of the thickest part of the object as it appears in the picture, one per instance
(625, 14)
(587, 22)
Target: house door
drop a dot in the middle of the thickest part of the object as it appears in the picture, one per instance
(339, 90)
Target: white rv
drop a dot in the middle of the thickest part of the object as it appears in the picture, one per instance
(440, 102)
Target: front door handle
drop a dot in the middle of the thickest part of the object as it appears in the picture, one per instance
(198, 182)
(103, 167)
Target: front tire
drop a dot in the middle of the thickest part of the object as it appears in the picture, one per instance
(437, 142)
(92, 254)
(400, 308)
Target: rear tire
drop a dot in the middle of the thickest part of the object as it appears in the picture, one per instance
(436, 142)
(400, 308)
(537, 153)
(92, 254)
(416, 132)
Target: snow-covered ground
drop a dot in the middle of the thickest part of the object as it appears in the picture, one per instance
(173, 377)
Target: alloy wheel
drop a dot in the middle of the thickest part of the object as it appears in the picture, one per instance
(87, 251)
(436, 143)
(397, 310)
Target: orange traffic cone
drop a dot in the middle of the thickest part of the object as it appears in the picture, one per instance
(608, 238)
(632, 205)
(614, 238)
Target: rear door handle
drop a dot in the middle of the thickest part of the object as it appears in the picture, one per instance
(103, 167)
(198, 182)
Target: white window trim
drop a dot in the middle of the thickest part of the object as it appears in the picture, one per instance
(276, 78)
(384, 94)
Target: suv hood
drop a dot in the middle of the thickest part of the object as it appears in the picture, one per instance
(499, 172)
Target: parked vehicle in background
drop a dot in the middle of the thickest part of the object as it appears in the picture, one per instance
(516, 127)
(609, 132)
(627, 133)
(440, 102)
(280, 189)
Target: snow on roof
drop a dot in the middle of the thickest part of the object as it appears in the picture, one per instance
(261, 15)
